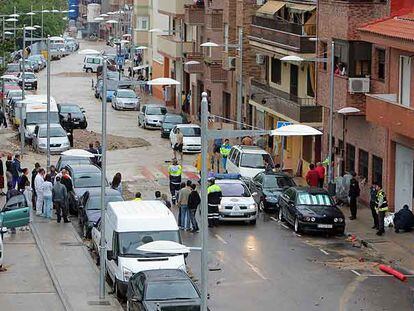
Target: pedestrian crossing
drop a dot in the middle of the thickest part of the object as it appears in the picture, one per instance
(159, 172)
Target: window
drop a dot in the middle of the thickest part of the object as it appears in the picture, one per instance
(310, 83)
(363, 164)
(359, 59)
(226, 38)
(341, 57)
(276, 71)
(350, 158)
(142, 22)
(376, 169)
(381, 64)
(324, 49)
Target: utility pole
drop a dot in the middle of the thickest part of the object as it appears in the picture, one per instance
(48, 102)
(42, 22)
(181, 69)
(23, 89)
(240, 89)
(331, 109)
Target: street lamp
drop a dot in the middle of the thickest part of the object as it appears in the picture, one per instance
(103, 172)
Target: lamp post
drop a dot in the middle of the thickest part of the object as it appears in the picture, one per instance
(331, 108)
(48, 102)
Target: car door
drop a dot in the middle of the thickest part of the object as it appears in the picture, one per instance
(15, 213)
(284, 202)
(257, 187)
(142, 114)
(230, 164)
(291, 207)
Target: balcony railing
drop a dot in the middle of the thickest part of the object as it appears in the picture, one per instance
(194, 68)
(298, 29)
(214, 20)
(171, 47)
(291, 106)
(194, 15)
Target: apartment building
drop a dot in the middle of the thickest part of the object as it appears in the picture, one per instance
(390, 102)
(283, 38)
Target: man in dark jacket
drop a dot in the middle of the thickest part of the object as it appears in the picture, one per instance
(16, 170)
(214, 195)
(34, 173)
(194, 201)
(404, 219)
(353, 195)
(373, 204)
(59, 197)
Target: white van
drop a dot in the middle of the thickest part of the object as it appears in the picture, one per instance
(92, 62)
(247, 161)
(131, 224)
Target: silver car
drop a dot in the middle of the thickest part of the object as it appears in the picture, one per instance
(151, 116)
(125, 99)
(59, 141)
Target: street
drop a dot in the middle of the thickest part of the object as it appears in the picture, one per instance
(251, 267)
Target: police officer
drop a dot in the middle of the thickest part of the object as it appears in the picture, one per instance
(213, 199)
(225, 151)
(174, 171)
(381, 207)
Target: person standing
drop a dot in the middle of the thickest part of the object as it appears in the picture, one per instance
(353, 194)
(117, 182)
(247, 141)
(34, 173)
(215, 159)
(164, 198)
(138, 197)
(175, 171)
(183, 205)
(98, 149)
(59, 197)
(39, 180)
(53, 173)
(312, 177)
(321, 173)
(178, 147)
(68, 125)
(9, 176)
(373, 205)
(381, 208)
(1, 178)
(47, 188)
(16, 170)
(3, 120)
(194, 201)
(224, 152)
(214, 195)
(92, 150)
(23, 181)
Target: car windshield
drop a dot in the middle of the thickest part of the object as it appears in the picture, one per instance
(29, 75)
(41, 117)
(13, 67)
(130, 241)
(87, 180)
(94, 203)
(175, 119)
(70, 109)
(323, 199)
(234, 190)
(72, 161)
(54, 132)
(156, 110)
(126, 94)
(190, 131)
(274, 181)
(170, 290)
(255, 160)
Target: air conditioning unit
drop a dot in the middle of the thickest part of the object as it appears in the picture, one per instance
(231, 62)
(358, 85)
(260, 59)
(260, 2)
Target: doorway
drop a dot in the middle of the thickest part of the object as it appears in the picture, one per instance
(404, 158)
(294, 80)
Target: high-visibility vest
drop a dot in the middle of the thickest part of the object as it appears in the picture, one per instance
(225, 150)
(213, 188)
(175, 170)
(382, 204)
(137, 199)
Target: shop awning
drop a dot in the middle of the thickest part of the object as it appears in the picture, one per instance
(300, 8)
(271, 7)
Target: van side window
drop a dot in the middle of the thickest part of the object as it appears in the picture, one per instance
(237, 160)
(231, 153)
(97, 60)
(90, 60)
(115, 246)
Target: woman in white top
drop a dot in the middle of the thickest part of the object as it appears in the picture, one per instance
(47, 187)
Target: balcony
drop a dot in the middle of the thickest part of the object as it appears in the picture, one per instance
(173, 7)
(302, 110)
(215, 73)
(214, 20)
(384, 110)
(289, 36)
(170, 46)
(194, 68)
(194, 15)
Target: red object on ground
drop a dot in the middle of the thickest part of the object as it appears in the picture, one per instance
(389, 270)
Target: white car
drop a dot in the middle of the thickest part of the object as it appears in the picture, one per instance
(59, 141)
(248, 161)
(191, 137)
(125, 99)
(237, 203)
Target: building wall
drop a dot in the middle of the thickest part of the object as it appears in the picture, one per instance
(157, 72)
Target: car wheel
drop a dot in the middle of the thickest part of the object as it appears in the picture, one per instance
(145, 126)
(280, 215)
(297, 226)
(84, 126)
(88, 70)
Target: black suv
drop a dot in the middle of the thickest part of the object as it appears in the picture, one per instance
(78, 115)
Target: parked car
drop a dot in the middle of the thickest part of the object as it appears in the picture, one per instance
(311, 209)
(84, 178)
(59, 141)
(247, 161)
(163, 289)
(65, 160)
(90, 207)
(267, 187)
(13, 68)
(41, 61)
(191, 137)
(237, 203)
(30, 80)
(125, 99)
(151, 116)
(15, 212)
(92, 62)
(77, 113)
(170, 120)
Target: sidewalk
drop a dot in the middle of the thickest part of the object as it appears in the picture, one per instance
(74, 274)
(396, 248)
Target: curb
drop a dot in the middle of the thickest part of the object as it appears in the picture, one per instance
(50, 270)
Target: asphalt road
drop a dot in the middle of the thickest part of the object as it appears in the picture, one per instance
(261, 267)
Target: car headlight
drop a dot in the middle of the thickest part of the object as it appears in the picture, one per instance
(220, 207)
(338, 219)
(126, 273)
(310, 219)
(252, 206)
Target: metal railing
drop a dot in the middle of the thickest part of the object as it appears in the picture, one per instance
(298, 29)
